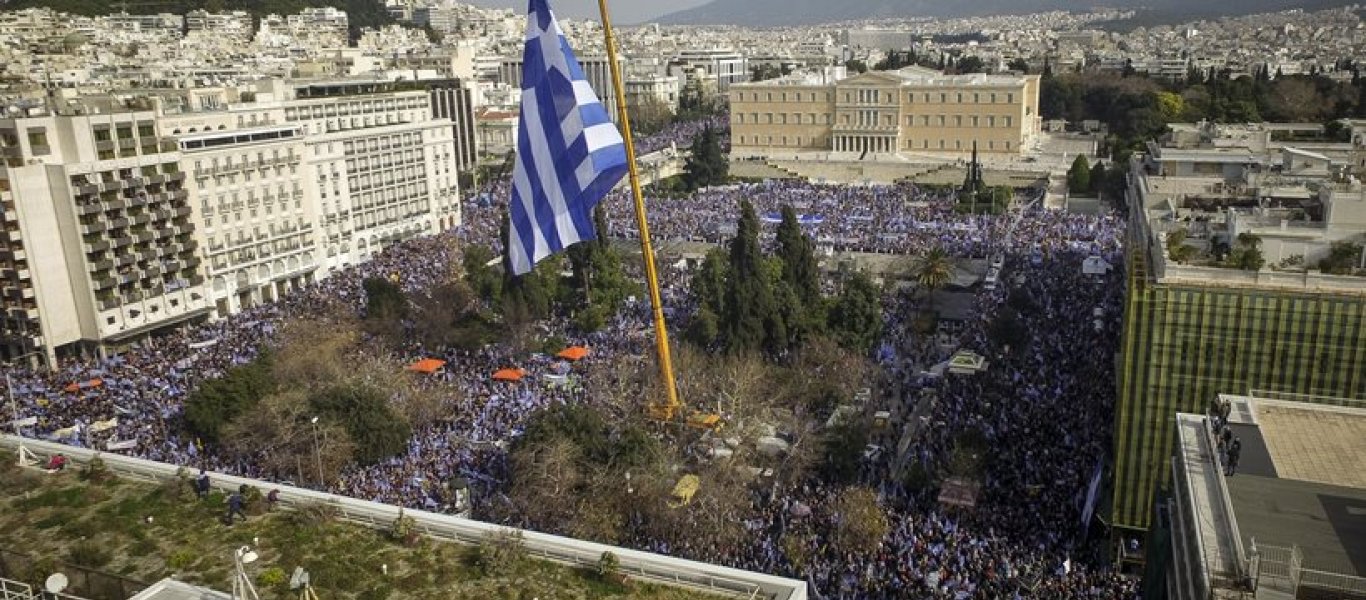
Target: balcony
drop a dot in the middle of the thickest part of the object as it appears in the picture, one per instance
(110, 303)
(116, 204)
(88, 189)
(147, 254)
(102, 265)
(125, 260)
(89, 209)
(122, 241)
(99, 246)
(118, 223)
(95, 227)
(182, 211)
(145, 236)
(104, 283)
(142, 218)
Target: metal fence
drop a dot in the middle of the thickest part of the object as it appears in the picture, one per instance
(14, 590)
(1282, 568)
(654, 568)
(84, 582)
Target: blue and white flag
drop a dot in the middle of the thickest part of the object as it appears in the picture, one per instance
(569, 154)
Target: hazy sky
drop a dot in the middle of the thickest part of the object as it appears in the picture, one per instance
(623, 11)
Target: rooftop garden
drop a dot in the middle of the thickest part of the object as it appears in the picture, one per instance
(107, 535)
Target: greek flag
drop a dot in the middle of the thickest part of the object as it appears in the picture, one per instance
(569, 154)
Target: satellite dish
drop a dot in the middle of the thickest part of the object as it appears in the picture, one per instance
(55, 583)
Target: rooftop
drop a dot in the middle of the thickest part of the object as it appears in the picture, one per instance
(1299, 480)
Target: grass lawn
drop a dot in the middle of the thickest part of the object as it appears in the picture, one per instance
(102, 525)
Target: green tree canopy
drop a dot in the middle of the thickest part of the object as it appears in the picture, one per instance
(799, 259)
(706, 165)
(856, 317)
(749, 322)
(363, 410)
(216, 402)
(1079, 176)
(384, 300)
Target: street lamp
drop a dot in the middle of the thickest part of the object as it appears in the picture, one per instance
(26, 457)
(242, 588)
(317, 450)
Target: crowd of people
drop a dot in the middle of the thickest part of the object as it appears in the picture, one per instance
(883, 219)
(1043, 408)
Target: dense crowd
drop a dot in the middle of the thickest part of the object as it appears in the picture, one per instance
(1043, 408)
(891, 219)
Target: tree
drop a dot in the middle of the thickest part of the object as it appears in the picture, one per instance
(933, 270)
(364, 411)
(278, 435)
(1098, 178)
(971, 64)
(487, 284)
(1018, 65)
(384, 300)
(709, 288)
(1343, 258)
(749, 322)
(799, 259)
(1248, 254)
(706, 165)
(1171, 106)
(216, 402)
(856, 317)
(1079, 176)
(862, 523)
(1177, 249)
(856, 66)
(1007, 330)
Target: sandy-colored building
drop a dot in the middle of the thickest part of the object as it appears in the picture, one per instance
(912, 110)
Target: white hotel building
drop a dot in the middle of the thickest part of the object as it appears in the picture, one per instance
(199, 203)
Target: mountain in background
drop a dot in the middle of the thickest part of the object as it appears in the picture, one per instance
(778, 13)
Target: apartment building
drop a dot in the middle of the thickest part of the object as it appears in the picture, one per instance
(912, 110)
(596, 69)
(453, 101)
(126, 215)
(1197, 325)
(246, 186)
(98, 244)
(382, 167)
(723, 67)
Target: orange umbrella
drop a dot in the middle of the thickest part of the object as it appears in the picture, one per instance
(508, 375)
(96, 382)
(72, 387)
(573, 353)
(427, 365)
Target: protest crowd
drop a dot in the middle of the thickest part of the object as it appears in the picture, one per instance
(1043, 408)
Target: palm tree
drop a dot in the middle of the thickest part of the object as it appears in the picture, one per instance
(933, 270)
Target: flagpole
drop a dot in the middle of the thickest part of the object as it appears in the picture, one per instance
(666, 369)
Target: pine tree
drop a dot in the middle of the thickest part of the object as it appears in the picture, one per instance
(799, 260)
(748, 323)
(1079, 176)
(706, 165)
(798, 293)
(1098, 175)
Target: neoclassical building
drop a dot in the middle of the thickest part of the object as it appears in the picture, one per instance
(912, 110)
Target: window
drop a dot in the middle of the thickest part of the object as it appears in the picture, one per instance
(1010, 98)
(37, 137)
(1008, 119)
(975, 99)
